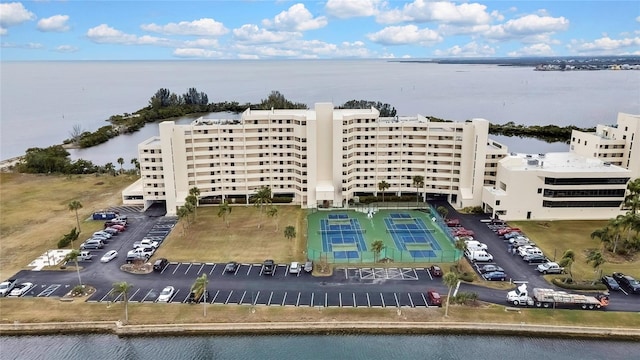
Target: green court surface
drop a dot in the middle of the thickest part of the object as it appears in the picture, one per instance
(345, 236)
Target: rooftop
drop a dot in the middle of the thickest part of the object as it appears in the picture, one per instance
(558, 162)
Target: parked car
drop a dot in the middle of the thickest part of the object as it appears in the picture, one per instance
(160, 264)
(308, 266)
(433, 298)
(166, 294)
(146, 243)
(495, 276)
(435, 271)
(627, 282)
(268, 267)
(111, 231)
(611, 283)
(108, 256)
(103, 234)
(490, 268)
(21, 289)
(231, 267)
(192, 297)
(92, 244)
(294, 268)
(535, 259)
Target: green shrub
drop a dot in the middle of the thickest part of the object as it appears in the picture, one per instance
(578, 286)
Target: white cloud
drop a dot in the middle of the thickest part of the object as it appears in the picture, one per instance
(409, 34)
(55, 23)
(202, 27)
(344, 9)
(604, 45)
(251, 33)
(471, 49)
(540, 49)
(303, 49)
(104, 34)
(638, 19)
(296, 18)
(527, 26)
(13, 14)
(439, 11)
(30, 45)
(201, 43)
(196, 53)
(66, 49)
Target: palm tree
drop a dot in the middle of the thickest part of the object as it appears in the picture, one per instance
(460, 245)
(383, 186)
(195, 192)
(272, 211)
(376, 247)
(73, 256)
(596, 259)
(183, 215)
(450, 279)
(443, 211)
(289, 232)
(109, 168)
(75, 205)
(123, 288)
(261, 198)
(191, 209)
(136, 164)
(223, 211)
(567, 261)
(632, 200)
(193, 201)
(199, 288)
(121, 162)
(418, 182)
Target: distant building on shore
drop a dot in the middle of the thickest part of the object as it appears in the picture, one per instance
(329, 158)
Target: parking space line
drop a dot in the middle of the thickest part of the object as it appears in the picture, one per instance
(312, 296)
(242, 297)
(176, 269)
(147, 295)
(360, 273)
(213, 268)
(415, 273)
(621, 289)
(105, 296)
(396, 297)
(117, 297)
(134, 294)
(411, 300)
(340, 299)
(382, 298)
(228, 297)
(346, 273)
(354, 300)
(215, 296)
(286, 272)
(49, 290)
(298, 300)
(368, 301)
(261, 269)
(200, 270)
(174, 296)
(401, 273)
(268, 301)
(325, 299)
(429, 273)
(185, 299)
(284, 298)
(426, 303)
(188, 267)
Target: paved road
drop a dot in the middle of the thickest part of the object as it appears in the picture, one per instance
(347, 287)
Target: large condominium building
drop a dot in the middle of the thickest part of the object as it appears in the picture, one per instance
(326, 157)
(323, 157)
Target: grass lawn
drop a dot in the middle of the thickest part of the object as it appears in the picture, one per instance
(34, 212)
(250, 237)
(558, 236)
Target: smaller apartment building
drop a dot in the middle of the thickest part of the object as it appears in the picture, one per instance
(556, 186)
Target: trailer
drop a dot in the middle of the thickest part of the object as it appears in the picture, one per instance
(549, 298)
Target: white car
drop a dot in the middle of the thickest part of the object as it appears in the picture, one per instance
(294, 268)
(102, 233)
(110, 255)
(166, 294)
(21, 289)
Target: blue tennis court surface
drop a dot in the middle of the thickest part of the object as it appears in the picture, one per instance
(412, 235)
(342, 236)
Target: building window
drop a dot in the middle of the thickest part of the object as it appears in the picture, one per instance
(539, 190)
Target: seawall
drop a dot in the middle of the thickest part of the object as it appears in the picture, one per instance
(119, 329)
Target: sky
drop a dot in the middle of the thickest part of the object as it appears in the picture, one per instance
(332, 29)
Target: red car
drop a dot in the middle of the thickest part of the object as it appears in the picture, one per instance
(433, 298)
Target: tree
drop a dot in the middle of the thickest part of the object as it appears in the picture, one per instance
(272, 212)
(183, 216)
(383, 186)
(290, 232)
(567, 261)
(450, 279)
(75, 133)
(199, 289)
(376, 247)
(76, 205)
(632, 199)
(192, 200)
(73, 256)
(461, 245)
(121, 162)
(418, 182)
(262, 197)
(443, 211)
(191, 209)
(136, 165)
(223, 211)
(596, 259)
(109, 168)
(123, 288)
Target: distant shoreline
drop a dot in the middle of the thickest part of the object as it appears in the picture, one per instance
(305, 328)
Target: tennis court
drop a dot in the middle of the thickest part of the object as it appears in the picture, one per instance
(345, 236)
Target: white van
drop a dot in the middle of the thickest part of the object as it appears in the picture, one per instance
(474, 245)
(480, 256)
